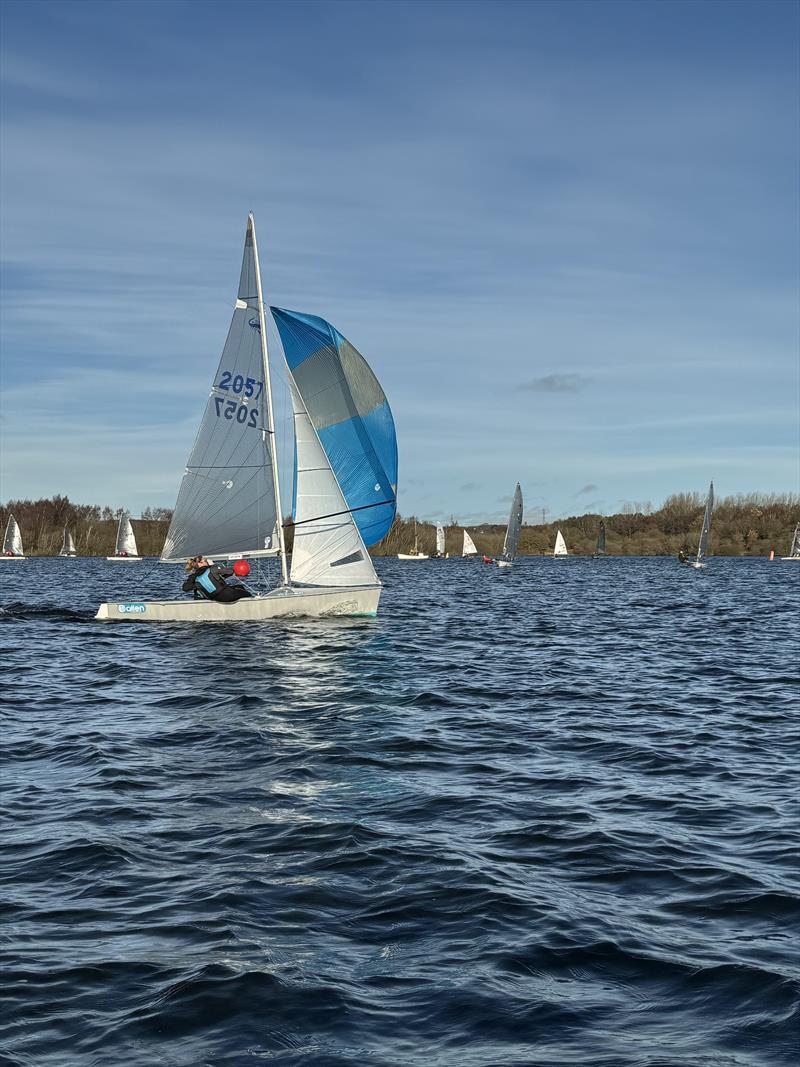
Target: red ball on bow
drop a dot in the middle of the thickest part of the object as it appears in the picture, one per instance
(241, 568)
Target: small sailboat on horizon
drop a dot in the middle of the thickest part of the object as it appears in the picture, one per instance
(600, 547)
(794, 551)
(67, 545)
(700, 561)
(468, 547)
(416, 554)
(511, 539)
(12, 542)
(125, 550)
(560, 550)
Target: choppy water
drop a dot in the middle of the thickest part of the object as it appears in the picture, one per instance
(548, 818)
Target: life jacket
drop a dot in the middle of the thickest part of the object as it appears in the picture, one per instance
(209, 582)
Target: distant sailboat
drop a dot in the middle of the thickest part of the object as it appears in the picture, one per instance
(511, 540)
(125, 550)
(416, 554)
(699, 562)
(345, 453)
(440, 541)
(794, 551)
(12, 542)
(68, 546)
(600, 547)
(469, 548)
(561, 548)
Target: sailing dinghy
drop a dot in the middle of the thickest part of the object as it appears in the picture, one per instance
(345, 452)
(468, 548)
(68, 545)
(560, 551)
(125, 550)
(700, 561)
(12, 542)
(600, 547)
(511, 540)
(416, 554)
(794, 551)
(440, 541)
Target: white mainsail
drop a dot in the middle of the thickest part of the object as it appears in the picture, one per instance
(328, 550)
(511, 540)
(469, 548)
(439, 539)
(561, 546)
(703, 544)
(12, 542)
(68, 545)
(227, 501)
(126, 542)
(794, 551)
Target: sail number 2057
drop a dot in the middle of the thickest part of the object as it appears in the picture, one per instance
(230, 409)
(239, 384)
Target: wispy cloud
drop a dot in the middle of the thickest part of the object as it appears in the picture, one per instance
(556, 383)
(467, 487)
(590, 487)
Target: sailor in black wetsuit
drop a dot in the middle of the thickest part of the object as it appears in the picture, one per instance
(207, 582)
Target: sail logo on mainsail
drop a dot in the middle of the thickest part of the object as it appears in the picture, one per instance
(254, 324)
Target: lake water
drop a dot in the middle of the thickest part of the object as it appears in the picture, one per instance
(542, 818)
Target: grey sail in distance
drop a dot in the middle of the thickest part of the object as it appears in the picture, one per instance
(600, 550)
(226, 502)
(794, 551)
(511, 542)
(701, 548)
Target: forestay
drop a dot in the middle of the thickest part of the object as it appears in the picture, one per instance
(328, 548)
(349, 411)
(469, 548)
(226, 502)
(12, 542)
(701, 548)
(511, 542)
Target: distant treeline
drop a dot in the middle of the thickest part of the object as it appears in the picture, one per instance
(744, 525)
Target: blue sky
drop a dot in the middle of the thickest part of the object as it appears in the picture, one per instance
(565, 236)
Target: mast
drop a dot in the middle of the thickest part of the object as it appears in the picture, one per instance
(270, 419)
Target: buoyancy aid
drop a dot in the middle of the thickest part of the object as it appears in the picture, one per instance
(209, 582)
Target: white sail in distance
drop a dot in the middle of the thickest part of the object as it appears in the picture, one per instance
(468, 548)
(561, 547)
(328, 549)
(68, 545)
(703, 545)
(439, 539)
(794, 551)
(226, 503)
(511, 540)
(126, 542)
(12, 542)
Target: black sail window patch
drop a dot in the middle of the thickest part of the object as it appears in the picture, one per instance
(354, 557)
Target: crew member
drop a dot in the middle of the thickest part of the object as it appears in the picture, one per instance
(207, 582)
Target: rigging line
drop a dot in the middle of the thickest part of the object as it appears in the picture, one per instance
(348, 511)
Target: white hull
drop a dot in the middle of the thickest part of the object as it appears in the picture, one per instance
(697, 566)
(795, 558)
(293, 602)
(418, 555)
(123, 559)
(504, 563)
(9, 558)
